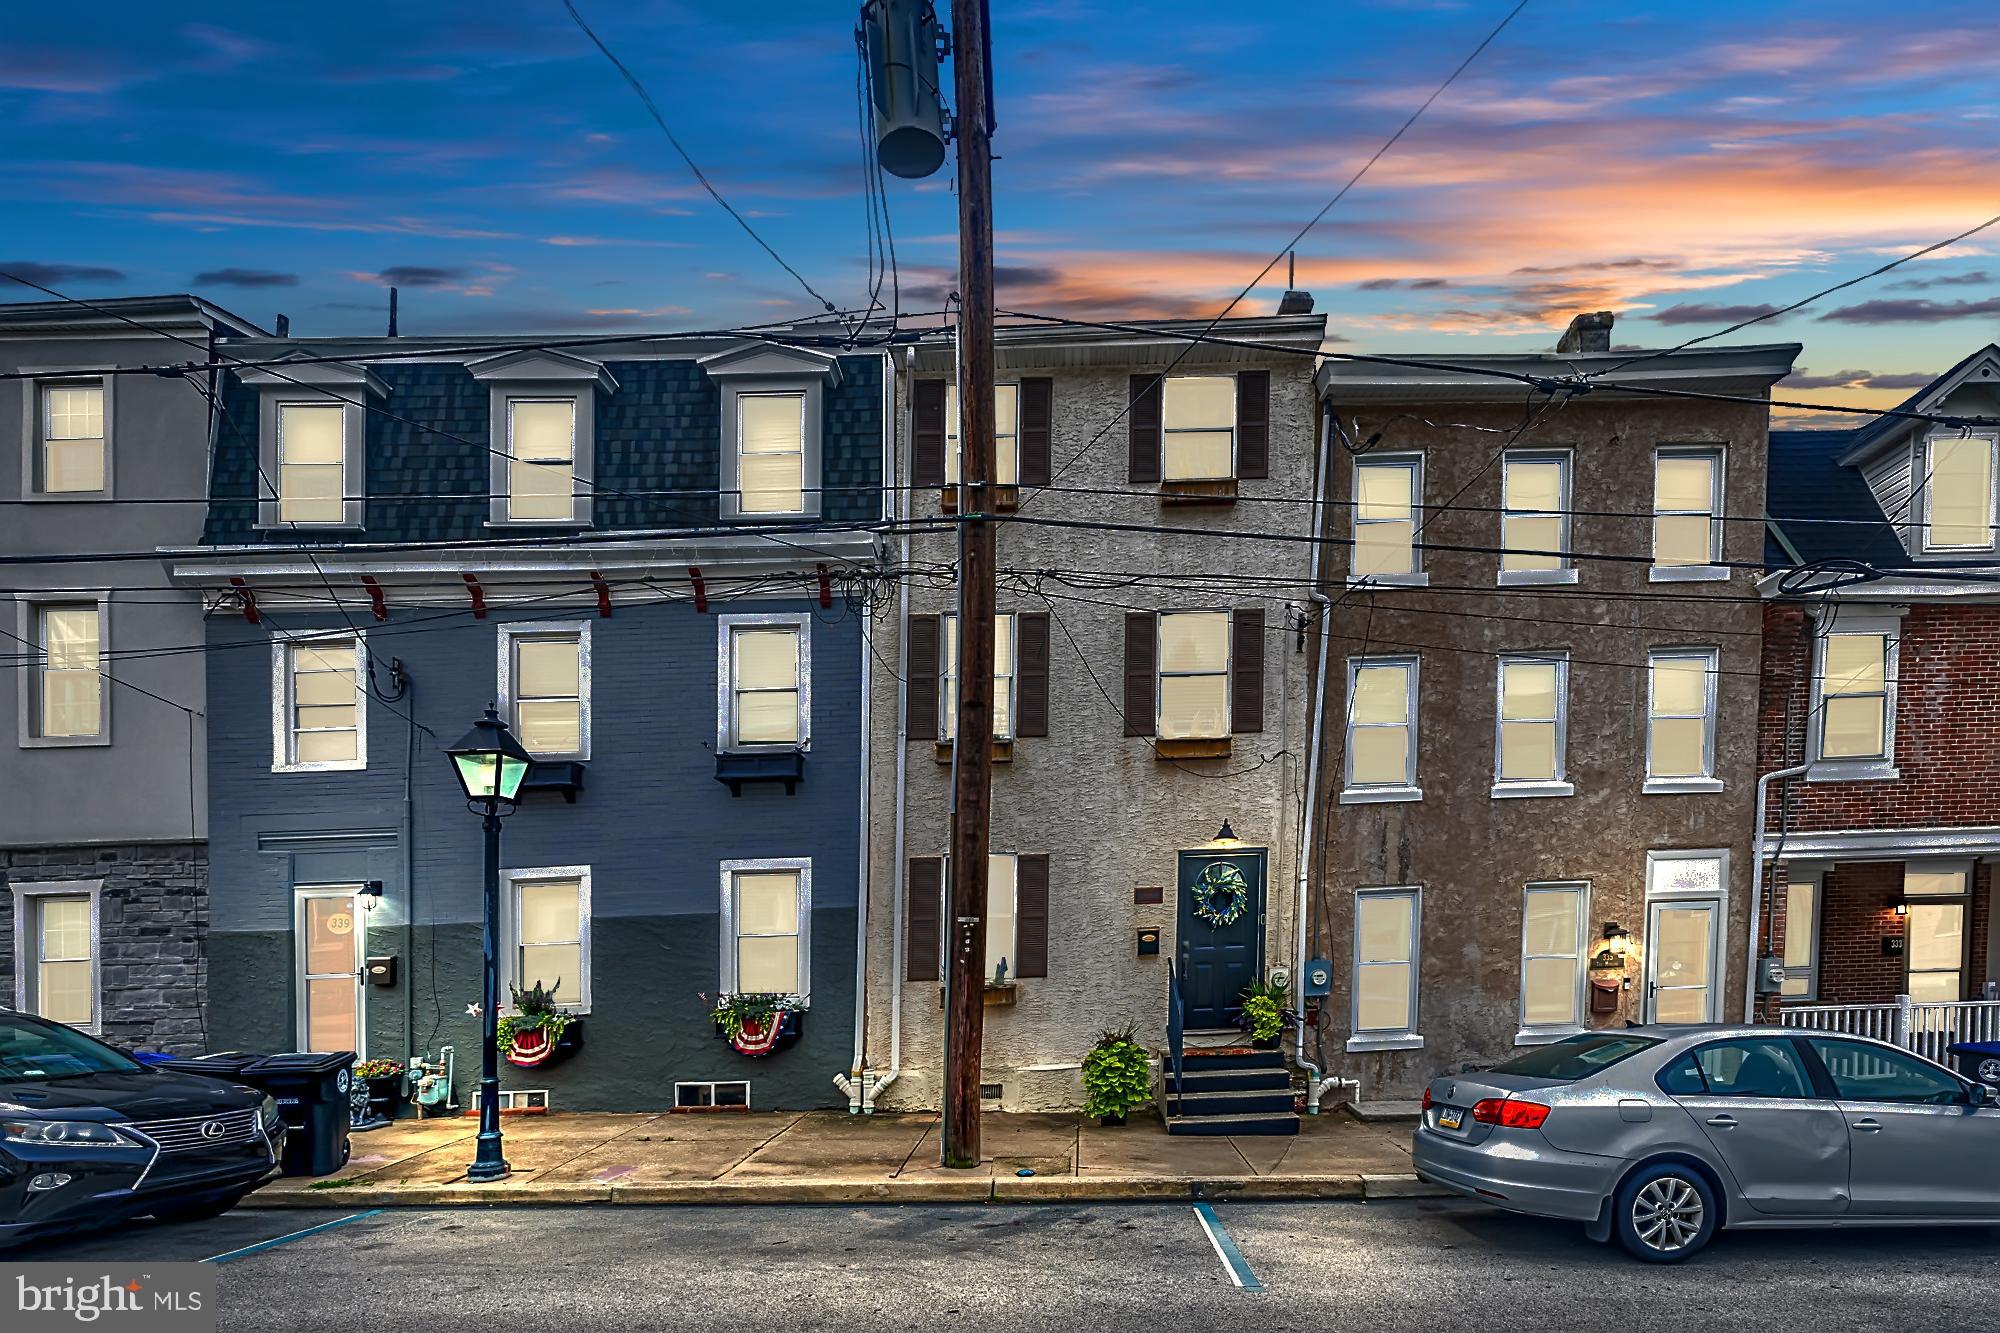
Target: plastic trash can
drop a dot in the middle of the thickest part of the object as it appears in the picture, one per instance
(229, 1065)
(311, 1091)
(1980, 1062)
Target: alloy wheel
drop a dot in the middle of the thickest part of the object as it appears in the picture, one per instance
(1667, 1214)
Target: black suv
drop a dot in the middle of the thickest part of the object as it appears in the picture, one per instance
(89, 1136)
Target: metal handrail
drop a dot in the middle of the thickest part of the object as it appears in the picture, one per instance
(1176, 1030)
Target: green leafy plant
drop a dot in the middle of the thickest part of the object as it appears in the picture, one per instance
(1116, 1075)
(731, 1012)
(534, 1011)
(374, 1069)
(1262, 1017)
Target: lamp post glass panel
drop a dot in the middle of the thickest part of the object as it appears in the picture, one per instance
(491, 766)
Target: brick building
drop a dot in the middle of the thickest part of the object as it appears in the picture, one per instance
(1881, 853)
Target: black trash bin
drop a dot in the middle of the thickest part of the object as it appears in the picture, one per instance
(228, 1065)
(311, 1090)
(1980, 1062)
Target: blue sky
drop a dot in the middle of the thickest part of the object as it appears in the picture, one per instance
(1681, 161)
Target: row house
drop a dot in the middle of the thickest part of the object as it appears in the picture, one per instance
(1540, 701)
(103, 813)
(1151, 699)
(1881, 712)
(641, 555)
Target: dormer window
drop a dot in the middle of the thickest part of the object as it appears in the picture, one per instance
(770, 453)
(541, 462)
(542, 459)
(773, 407)
(312, 462)
(312, 443)
(1957, 475)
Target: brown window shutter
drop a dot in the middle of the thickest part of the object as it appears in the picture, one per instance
(1031, 673)
(1246, 670)
(1142, 651)
(920, 691)
(1253, 423)
(927, 434)
(924, 919)
(1036, 406)
(1031, 915)
(1142, 425)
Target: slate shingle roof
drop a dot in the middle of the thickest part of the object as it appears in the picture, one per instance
(1805, 483)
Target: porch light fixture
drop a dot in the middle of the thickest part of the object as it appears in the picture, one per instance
(490, 763)
(1225, 837)
(1614, 931)
(1902, 907)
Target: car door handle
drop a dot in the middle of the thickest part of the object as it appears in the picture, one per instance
(1723, 1121)
(1868, 1126)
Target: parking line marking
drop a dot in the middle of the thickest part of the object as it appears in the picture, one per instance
(282, 1240)
(1233, 1262)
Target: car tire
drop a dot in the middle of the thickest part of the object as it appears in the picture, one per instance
(197, 1212)
(1665, 1214)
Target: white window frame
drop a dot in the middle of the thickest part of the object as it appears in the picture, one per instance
(1718, 490)
(810, 392)
(1706, 781)
(1923, 477)
(711, 1085)
(1965, 870)
(511, 883)
(27, 942)
(1536, 1034)
(1387, 1039)
(1566, 570)
(948, 678)
(283, 756)
(1354, 793)
(34, 428)
(353, 437)
(1559, 785)
(28, 630)
(512, 634)
(726, 627)
(1002, 444)
(1235, 427)
(1719, 937)
(1865, 768)
(1417, 576)
(583, 425)
(1795, 875)
(761, 865)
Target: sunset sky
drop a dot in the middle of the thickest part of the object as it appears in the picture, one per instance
(1682, 162)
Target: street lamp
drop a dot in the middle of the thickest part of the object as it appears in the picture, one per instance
(490, 765)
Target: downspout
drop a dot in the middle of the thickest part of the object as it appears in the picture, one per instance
(905, 499)
(1757, 885)
(410, 874)
(1315, 1080)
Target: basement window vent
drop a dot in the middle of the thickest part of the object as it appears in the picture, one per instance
(518, 1099)
(990, 1092)
(732, 1096)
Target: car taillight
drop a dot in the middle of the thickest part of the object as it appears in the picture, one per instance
(1427, 1099)
(1510, 1114)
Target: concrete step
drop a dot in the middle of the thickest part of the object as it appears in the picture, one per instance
(1266, 1102)
(1229, 1080)
(1265, 1125)
(1238, 1058)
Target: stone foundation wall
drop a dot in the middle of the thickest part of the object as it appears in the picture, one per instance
(152, 923)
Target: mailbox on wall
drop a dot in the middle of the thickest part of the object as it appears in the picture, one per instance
(1149, 941)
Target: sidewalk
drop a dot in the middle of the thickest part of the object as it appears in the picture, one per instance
(831, 1157)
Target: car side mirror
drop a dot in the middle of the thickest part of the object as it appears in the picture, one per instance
(1978, 1094)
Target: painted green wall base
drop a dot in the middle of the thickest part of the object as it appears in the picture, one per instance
(648, 1027)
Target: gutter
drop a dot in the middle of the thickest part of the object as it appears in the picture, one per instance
(1757, 884)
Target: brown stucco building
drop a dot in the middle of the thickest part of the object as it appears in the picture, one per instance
(1541, 704)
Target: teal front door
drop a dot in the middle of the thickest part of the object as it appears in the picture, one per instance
(1221, 933)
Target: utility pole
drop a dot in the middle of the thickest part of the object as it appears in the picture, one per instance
(972, 767)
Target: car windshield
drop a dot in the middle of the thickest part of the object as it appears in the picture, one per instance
(32, 1052)
(1577, 1057)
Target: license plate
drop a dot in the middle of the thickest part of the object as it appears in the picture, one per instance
(1451, 1117)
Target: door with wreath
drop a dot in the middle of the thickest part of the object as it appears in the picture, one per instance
(1220, 934)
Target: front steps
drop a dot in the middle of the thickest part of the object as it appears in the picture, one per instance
(1230, 1091)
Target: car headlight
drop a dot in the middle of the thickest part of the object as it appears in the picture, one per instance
(267, 1112)
(62, 1134)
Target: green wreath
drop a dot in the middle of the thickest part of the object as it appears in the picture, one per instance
(1221, 895)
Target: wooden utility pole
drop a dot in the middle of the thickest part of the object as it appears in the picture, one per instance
(972, 767)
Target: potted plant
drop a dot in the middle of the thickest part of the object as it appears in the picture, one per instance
(1117, 1076)
(385, 1086)
(537, 1031)
(1266, 1013)
(757, 1024)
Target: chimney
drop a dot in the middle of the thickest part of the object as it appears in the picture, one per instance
(1294, 301)
(392, 312)
(1588, 333)
(284, 326)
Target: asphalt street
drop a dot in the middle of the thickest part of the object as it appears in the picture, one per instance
(1418, 1264)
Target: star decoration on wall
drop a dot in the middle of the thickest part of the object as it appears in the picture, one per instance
(475, 1009)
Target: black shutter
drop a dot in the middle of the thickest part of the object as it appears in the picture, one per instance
(1031, 673)
(924, 918)
(920, 691)
(927, 434)
(1142, 652)
(1031, 915)
(1036, 406)
(1253, 423)
(1246, 670)
(1142, 425)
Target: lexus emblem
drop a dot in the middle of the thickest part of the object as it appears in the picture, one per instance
(212, 1129)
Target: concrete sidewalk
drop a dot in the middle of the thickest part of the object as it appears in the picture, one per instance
(831, 1157)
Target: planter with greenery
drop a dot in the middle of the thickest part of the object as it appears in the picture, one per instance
(757, 1025)
(1267, 1013)
(537, 1032)
(1117, 1076)
(385, 1085)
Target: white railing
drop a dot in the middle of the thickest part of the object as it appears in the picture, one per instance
(1928, 1028)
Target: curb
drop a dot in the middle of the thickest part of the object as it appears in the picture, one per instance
(979, 1189)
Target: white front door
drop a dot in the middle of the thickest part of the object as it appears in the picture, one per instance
(328, 932)
(1680, 960)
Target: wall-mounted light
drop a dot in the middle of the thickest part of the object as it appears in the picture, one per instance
(371, 894)
(1901, 908)
(1616, 932)
(1617, 947)
(1225, 838)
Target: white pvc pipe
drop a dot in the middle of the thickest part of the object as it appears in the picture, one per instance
(1316, 1083)
(1757, 885)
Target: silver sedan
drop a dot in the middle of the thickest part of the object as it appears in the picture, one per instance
(1664, 1135)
